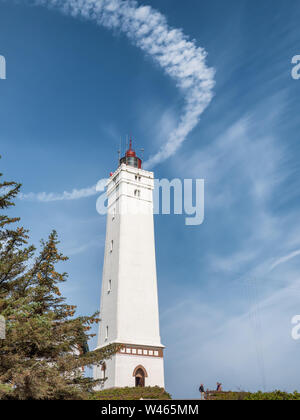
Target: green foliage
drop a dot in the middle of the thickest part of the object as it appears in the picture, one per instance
(248, 396)
(147, 393)
(5, 389)
(226, 396)
(272, 396)
(43, 353)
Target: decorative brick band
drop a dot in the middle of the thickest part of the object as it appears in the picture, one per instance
(147, 351)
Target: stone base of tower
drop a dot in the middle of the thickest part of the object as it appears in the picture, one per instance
(132, 370)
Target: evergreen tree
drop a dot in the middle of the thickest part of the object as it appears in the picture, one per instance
(45, 348)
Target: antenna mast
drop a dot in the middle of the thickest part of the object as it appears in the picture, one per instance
(120, 151)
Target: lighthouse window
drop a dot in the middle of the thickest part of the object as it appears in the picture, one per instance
(106, 333)
(109, 286)
(111, 246)
(137, 193)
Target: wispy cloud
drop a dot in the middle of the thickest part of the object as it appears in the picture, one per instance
(250, 306)
(285, 259)
(48, 197)
(170, 48)
(79, 249)
(253, 343)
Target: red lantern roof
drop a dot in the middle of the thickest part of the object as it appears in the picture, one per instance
(130, 152)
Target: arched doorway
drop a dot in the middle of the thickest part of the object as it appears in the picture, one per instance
(140, 374)
(140, 378)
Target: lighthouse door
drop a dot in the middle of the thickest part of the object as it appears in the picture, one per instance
(140, 378)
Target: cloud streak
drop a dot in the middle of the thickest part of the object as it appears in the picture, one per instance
(65, 196)
(285, 259)
(170, 48)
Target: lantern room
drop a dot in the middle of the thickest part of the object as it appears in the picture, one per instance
(130, 158)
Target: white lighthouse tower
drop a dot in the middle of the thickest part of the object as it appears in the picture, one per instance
(129, 303)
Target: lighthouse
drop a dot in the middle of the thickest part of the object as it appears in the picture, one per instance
(129, 300)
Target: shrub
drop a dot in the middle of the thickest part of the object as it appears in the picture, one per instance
(147, 393)
(272, 396)
(227, 396)
(248, 396)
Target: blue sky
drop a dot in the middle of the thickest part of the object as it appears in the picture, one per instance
(229, 288)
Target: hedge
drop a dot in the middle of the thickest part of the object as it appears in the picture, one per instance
(147, 393)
